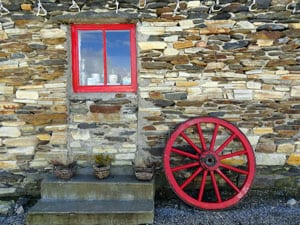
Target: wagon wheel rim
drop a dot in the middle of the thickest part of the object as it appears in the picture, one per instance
(209, 165)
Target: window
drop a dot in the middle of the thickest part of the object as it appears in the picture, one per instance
(104, 58)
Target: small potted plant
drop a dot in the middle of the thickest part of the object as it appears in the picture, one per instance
(64, 169)
(143, 166)
(102, 165)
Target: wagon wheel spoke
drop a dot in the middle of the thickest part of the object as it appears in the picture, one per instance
(235, 169)
(201, 137)
(191, 178)
(228, 181)
(215, 185)
(183, 153)
(190, 142)
(202, 186)
(221, 148)
(234, 154)
(186, 166)
(214, 137)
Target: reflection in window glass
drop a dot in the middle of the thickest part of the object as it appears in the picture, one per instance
(91, 70)
(118, 57)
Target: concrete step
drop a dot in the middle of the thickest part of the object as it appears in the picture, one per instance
(88, 187)
(74, 212)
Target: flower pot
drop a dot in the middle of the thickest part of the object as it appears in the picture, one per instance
(101, 172)
(64, 172)
(144, 173)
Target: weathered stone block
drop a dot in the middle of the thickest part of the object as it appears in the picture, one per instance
(228, 24)
(254, 85)
(171, 52)
(294, 159)
(267, 95)
(213, 30)
(263, 130)
(6, 90)
(44, 137)
(105, 148)
(52, 33)
(58, 138)
(151, 45)
(294, 25)
(30, 150)
(40, 119)
(236, 45)
(245, 25)
(295, 92)
(122, 156)
(215, 66)
(183, 44)
(186, 83)
(9, 191)
(157, 65)
(26, 7)
(153, 30)
(10, 132)
(5, 207)
(264, 43)
(106, 109)
(243, 94)
(185, 24)
(270, 159)
(80, 135)
(193, 4)
(21, 94)
(266, 147)
(36, 164)
(272, 27)
(3, 35)
(286, 147)
(8, 165)
(21, 141)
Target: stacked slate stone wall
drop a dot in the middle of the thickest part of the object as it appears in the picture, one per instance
(227, 61)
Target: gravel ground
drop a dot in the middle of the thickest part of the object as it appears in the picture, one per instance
(256, 209)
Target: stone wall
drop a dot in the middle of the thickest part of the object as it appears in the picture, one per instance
(239, 65)
(229, 62)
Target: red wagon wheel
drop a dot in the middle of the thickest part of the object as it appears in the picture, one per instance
(209, 163)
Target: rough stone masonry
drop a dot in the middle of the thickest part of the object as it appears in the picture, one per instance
(237, 61)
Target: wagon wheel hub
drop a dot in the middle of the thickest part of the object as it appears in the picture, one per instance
(209, 161)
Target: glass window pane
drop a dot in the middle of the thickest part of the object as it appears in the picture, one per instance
(91, 70)
(118, 57)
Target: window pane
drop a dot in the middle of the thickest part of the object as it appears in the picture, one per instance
(118, 57)
(91, 71)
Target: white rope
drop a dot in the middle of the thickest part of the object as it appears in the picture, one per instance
(176, 8)
(3, 10)
(251, 6)
(117, 6)
(212, 8)
(75, 6)
(142, 6)
(41, 11)
(292, 5)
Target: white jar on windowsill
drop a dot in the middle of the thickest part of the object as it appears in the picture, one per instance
(126, 80)
(96, 76)
(113, 79)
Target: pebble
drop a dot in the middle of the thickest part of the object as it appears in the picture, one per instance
(291, 203)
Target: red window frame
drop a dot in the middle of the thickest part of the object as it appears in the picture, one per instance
(75, 58)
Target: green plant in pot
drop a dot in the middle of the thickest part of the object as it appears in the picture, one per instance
(143, 166)
(101, 166)
(64, 169)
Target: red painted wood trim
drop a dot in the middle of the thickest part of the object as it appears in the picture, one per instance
(75, 58)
